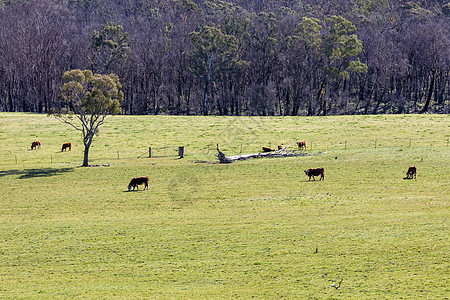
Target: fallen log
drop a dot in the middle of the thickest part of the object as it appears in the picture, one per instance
(222, 158)
(277, 153)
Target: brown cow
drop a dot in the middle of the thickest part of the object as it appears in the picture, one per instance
(301, 145)
(65, 146)
(267, 149)
(35, 145)
(412, 171)
(138, 181)
(315, 172)
(280, 147)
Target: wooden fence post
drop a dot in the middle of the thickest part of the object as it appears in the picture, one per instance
(345, 145)
(118, 154)
(149, 151)
(181, 151)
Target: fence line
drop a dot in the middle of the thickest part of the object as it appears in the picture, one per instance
(180, 151)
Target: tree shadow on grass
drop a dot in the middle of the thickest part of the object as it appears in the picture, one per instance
(33, 173)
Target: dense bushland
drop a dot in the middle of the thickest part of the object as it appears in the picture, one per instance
(232, 57)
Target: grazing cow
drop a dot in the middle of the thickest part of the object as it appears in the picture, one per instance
(280, 147)
(412, 171)
(135, 182)
(267, 149)
(301, 145)
(65, 146)
(315, 172)
(35, 145)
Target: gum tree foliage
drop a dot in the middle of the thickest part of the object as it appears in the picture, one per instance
(340, 47)
(214, 52)
(109, 48)
(306, 43)
(86, 100)
(334, 46)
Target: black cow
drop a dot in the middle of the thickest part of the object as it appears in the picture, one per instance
(65, 146)
(135, 182)
(412, 172)
(315, 172)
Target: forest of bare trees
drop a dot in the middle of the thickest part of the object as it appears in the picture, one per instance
(235, 57)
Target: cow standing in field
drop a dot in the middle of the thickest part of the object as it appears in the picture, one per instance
(35, 145)
(315, 172)
(412, 171)
(301, 145)
(65, 146)
(135, 182)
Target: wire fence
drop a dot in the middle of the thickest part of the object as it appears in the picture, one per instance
(75, 156)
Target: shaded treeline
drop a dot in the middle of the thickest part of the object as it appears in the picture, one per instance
(232, 58)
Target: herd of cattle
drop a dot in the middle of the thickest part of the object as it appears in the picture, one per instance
(312, 172)
(301, 146)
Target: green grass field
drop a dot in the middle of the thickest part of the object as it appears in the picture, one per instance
(251, 229)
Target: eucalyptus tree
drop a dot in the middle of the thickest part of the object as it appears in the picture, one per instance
(214, 52)
(234, 81)
(263, 58)
(109, 47)
(339, 47)
(187, 15)
(305, 44)
(86, 100)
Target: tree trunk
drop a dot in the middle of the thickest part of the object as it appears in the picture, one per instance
(86, 155)
(278, 153)
(430, 92)
(321, 97)
(324, 100)
(221, 156)
(87, 144)
(205, 97)
(207, 80)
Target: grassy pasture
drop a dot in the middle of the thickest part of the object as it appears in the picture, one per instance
(251, 229)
